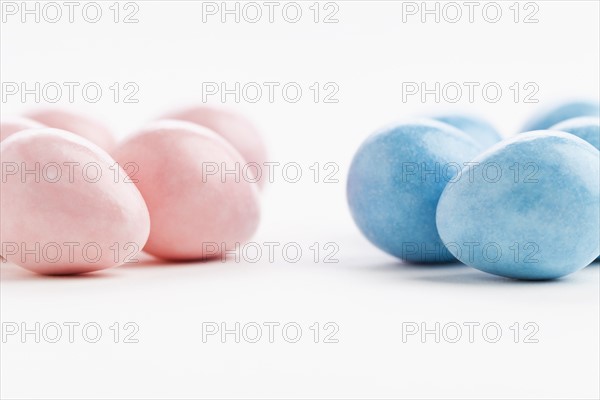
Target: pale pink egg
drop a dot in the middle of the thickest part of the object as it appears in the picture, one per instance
(82, 125)
(66, 206)
(196, 211)
(235, 128)
(14, 124)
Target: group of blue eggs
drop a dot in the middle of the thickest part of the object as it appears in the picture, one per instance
(451, 188)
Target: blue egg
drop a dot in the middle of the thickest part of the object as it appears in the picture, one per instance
(587, 128)
(558, 114)
(478, 129)
(395, 181)
(528, 208)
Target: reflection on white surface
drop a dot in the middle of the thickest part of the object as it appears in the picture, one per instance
(369, 296)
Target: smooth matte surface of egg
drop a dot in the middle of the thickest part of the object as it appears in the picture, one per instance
(196, 212)
(234, 127)
(82, 125)
(10, 125)
(66, 206)
(529, 209)
(478, 129)
(552, 116)
(391, 194)
(587, 128)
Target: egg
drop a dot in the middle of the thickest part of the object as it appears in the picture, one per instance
(394, 183)
(480, 130)
(66, 206)
(587, 128)
(10, 125)
(79, 124)
(527, 208)
(198, 210)
(14, 124)
(552, 116)
(238, 130)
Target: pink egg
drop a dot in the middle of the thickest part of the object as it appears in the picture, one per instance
(10, 125)
(234, 127)
(196, 212)
(14, 124)
(82, 125)
(66, 206)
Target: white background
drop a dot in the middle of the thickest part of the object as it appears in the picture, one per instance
(369, 53)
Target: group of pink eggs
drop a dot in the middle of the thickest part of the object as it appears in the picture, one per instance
(74, 200)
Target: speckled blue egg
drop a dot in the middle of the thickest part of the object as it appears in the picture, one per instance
(553, 116)
(478, 129)
(587, 128)
(394, 183)
(529, 208)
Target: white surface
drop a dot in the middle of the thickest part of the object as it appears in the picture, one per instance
(369, 53)
(368, 295)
